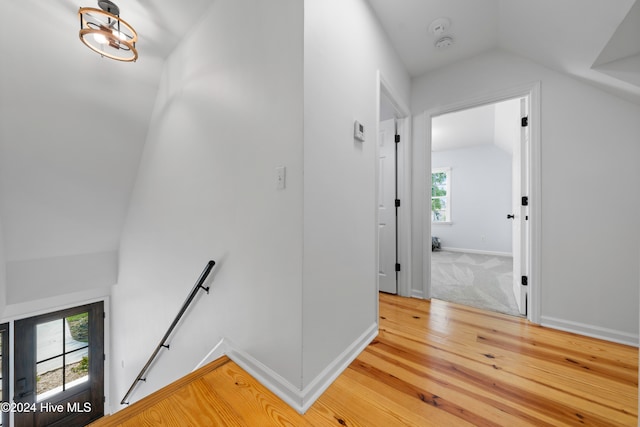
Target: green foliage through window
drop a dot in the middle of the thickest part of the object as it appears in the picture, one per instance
(440, 183)
(79, 326)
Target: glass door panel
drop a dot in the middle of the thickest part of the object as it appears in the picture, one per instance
(59, 367)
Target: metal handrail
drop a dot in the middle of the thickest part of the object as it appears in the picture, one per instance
(163, 342)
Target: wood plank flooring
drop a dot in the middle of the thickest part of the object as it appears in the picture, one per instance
(432, 364)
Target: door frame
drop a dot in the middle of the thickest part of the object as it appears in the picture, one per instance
(387, 193)
(97, 318)
(403, 174)
(54, 304)
(6, 363)
(532, 92)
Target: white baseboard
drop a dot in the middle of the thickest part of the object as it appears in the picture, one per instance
(477, 251)
(319, 384)
(266, 376)
(590, 330)
(417, 293)
(300, 400)
(219, 350)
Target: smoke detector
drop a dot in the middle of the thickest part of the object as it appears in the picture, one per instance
(443, 42)
(439, 26)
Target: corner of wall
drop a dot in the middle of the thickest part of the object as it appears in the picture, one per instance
(320, 383)
(300, 400)
(206, 191)
(275, 382)
(340, 170)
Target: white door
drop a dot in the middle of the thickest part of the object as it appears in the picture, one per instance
(387, 208)
(520, 212)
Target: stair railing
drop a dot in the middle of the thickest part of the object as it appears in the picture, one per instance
(163, 343)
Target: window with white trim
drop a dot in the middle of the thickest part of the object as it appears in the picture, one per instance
(441, 195)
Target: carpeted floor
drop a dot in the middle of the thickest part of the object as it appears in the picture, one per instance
(482, 281)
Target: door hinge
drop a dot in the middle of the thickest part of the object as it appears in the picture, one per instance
(397, 203)
(525, 281)
(397, 266)
(397, 138)
(525, 201)
(524, 121)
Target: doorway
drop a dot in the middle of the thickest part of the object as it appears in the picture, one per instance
(518, 218)
(59, 367)
(476, 168)
(387, 196)
(393, 198)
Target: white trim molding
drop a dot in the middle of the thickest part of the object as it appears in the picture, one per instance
(477, 251)
(266, 376)
(415, 293)
(590, 330)
(300, 400)
(218, 350)
(404, 182)
(532, 92)
(319, 384)
(22, 310)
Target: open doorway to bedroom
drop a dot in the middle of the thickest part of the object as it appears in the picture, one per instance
(479, 167)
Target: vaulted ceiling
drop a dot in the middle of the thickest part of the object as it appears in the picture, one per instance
(73, 125)
(597, 41)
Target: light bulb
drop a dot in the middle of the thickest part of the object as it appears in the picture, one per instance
(100, 38)
(119, 35)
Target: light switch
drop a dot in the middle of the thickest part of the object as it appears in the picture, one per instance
(358, 131)
(281, 177)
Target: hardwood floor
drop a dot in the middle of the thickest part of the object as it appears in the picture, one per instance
(433, 364)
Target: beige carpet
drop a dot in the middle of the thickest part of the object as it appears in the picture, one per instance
(482, 281)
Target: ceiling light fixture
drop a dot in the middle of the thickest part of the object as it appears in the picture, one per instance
(102, 31)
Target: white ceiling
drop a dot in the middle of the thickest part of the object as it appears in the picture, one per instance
(474, 27)
(464, 129)
(72, 124)
(567, 35)
(491, 124)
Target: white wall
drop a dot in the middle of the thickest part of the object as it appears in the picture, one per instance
(480, 199)
(507, 124)
(344, 48)
(295, 291)
(36, 286)
(59, 276)
(590, 149)
(229, 111)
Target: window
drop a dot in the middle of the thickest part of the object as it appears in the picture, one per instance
(62, 354)
(59, 367)
(441, 195)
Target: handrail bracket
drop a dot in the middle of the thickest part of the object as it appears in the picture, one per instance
(185, 305)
